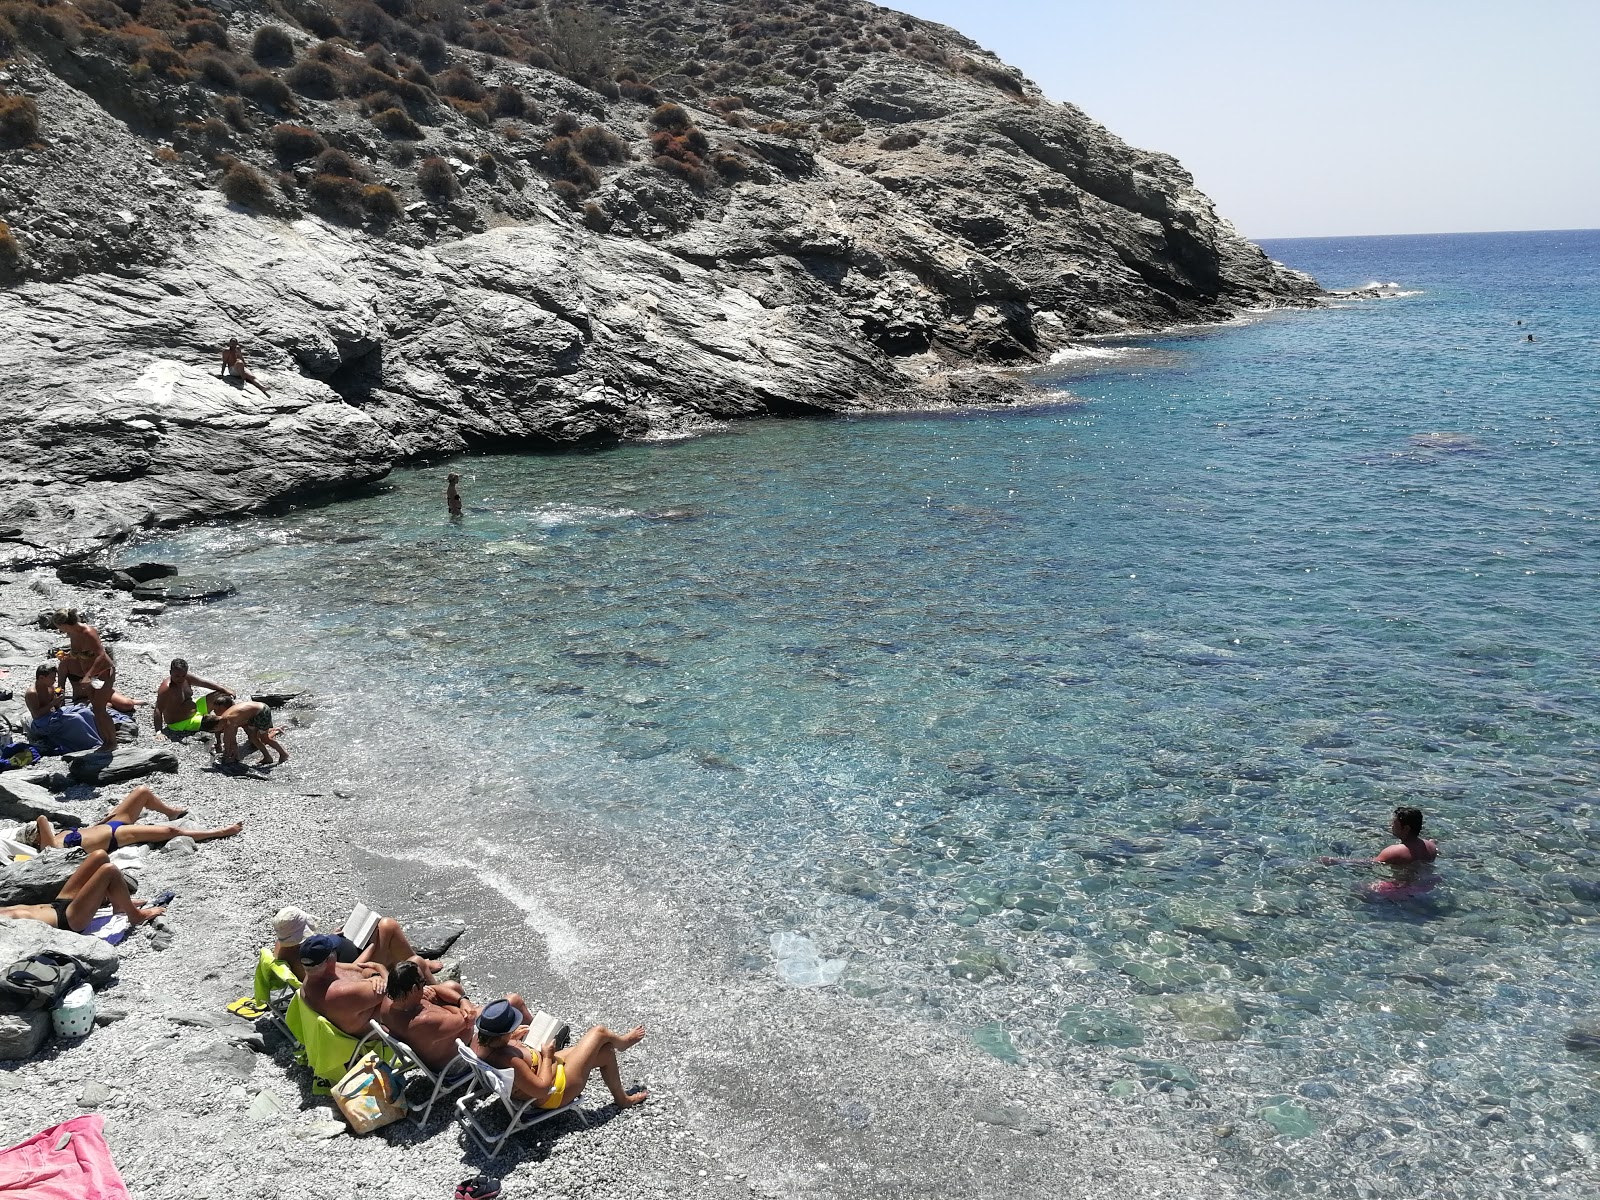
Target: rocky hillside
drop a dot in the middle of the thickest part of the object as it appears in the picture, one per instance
(437, 225)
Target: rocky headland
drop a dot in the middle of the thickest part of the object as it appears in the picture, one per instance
(438, 226)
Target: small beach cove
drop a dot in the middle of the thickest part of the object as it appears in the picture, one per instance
(1037, 722)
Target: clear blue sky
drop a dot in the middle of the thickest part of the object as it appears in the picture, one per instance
(1307, 119)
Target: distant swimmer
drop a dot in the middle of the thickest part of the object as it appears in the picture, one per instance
(1519, 320)
(1406, 856)
(1530, 337)
(452, 497)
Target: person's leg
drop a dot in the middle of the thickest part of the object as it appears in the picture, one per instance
(258, 745)
(134, 835)
(123, 704)
(79, 879)
(99, 700)
(274, 743)
(597, 1051)
(132, 806)
(106, 885)
(521, 1005)
(390, 946)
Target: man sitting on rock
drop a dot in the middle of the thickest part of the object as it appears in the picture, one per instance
(233, 366)
(227, 716)
(95, 883)
(176, 709)
(427, 1018)
(44, 697)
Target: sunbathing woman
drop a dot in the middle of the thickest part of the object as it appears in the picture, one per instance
(96, 882)
(87, 663)
(119, 828)
(549, 1076)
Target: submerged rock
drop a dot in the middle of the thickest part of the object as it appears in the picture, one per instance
(185, 589)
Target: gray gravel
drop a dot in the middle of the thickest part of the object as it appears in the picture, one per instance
(757, 1090)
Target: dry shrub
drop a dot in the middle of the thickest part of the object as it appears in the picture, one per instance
(901, 139)
(217, 72)
(294, 143)
(565, 125)
(338, 194)
(396, 123)
(732, 167)
(476, 113)
(311, 77)
(365, 22)
(692, 171)
(596, 217)
(246, 186)
(509, 101)
(599, 145)
(673, 117)
(267, 90)
(19, 120)
(379, 59)
(10, 252)
(460, 84)
(238, 116)
(436, 179)
(272, 46)
(417, 75)
(381, 203)
(334, 161)
(642, 92)
(488, 165)
(200, 32)
(168, 156)
(845, 131)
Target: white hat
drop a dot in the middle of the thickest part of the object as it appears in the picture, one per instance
(291, 926)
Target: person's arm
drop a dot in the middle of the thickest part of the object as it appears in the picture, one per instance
(1394, 856)
(530, 1081)
(206, 683)
(35, 702)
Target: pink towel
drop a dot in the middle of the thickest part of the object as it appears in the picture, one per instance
(80, 1170)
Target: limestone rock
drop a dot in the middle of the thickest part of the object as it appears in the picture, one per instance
(21, 938)
(38, 879)
(23, 1034)
(93, 766)
(434, 939)
(23, 800)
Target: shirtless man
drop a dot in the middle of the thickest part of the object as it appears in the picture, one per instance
(253, 717)
(426, 1020)
(176, 709)
(87, 663)
(350, 994)
(44, 696)
(1412, 849)
(96, 882)
(452, 497)
(233, 364)
(389, 946)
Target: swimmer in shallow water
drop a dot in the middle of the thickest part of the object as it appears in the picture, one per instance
(1407, 856)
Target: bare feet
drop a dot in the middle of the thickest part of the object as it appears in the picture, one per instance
(141, 915)
(634, 1099)
(632, 1038)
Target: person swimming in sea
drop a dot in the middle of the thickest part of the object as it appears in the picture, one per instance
(1407, 857)
(452, 497)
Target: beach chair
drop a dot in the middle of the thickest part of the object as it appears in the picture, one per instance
(495, 1086)
(323, 1046)
(275, 986)
(454, 1074)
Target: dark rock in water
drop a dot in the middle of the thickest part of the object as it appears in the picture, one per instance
(185, 589)
(94, 766)
(23, 1034)
(275, 699)
(23, 800)
(82, 574)
(1584, 1038)
(37, 879)
(1582, 888)
(146, 571)
(19, 939)
(433, 939)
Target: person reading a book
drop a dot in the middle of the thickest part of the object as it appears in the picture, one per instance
(549, 1076)
(365, 938)
(428, 1022)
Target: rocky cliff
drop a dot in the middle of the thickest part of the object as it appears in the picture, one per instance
(437, 226)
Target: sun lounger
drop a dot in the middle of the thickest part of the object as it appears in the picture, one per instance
(495, 1088)
(454, 1074)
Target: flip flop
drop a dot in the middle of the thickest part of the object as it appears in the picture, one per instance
(479, 1187)
(164, 899)
(246, 1007)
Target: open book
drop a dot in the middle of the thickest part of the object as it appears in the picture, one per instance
(358, 926)
(544, 1028)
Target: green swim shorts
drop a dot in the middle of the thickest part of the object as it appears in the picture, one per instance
(190, 724)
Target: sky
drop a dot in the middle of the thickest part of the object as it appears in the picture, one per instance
(1307, 119)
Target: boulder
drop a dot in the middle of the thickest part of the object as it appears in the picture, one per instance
(433, 940)
(23, 800)
(97, 767)
(38, 879)
(185, 589)
(144, 572)
(21, 938)
(23, 1034)
(275, 699)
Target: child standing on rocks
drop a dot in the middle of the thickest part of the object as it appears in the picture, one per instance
(227, 716)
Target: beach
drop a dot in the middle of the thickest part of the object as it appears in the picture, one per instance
(756, 1089)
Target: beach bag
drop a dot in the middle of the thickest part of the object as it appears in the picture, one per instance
(372, 1094)
(74, 1016)
(39, 981)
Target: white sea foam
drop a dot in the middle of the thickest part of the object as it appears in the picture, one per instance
(1088, 353)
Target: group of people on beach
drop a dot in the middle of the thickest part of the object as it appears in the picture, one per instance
(91, 674)
(390, 983)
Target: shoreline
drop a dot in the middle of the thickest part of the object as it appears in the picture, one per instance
(753, 1089)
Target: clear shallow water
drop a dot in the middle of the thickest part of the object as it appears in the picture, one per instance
(1041, 718)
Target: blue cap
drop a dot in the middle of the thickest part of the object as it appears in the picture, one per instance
(498, 1017)
(316, 950)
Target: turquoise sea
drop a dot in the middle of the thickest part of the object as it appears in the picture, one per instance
(1039, 719)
